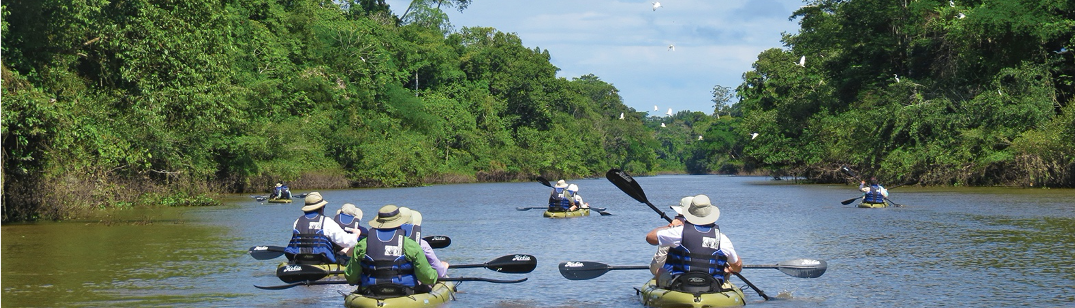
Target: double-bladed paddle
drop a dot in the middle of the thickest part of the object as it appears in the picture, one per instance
(582, 270)
(512, 264)
(272, 252)
(600, 210)
(320, 282)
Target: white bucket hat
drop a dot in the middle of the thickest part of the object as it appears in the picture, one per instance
(685, 202)
(701, 211)
(351, 209)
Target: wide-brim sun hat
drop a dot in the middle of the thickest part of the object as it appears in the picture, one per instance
(390, 216)
(573, 187)
(561, 184)
(416, 218)
(685, 202)
(314, 201)
(278, 185)
(701, 211)
(351, 209)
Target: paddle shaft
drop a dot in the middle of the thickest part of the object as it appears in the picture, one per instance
(628, 185)
(323, 282)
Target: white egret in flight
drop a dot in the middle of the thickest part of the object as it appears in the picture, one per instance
(802, 61)
(669, 113)
(655, 108)
(671, 47)
(656, 5)
(753, 135)
(621, 115)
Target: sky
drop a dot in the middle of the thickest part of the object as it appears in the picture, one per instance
(626, 42)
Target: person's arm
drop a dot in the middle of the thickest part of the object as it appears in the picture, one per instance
(884, 192)
(337, 235)
(735, 263)
(652, 237)
(353, 272)
(436, 263)
(422, 270)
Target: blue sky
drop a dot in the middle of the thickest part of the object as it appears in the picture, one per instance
(626, 42)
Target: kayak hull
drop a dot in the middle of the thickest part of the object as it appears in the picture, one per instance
(652, 296)
(442, 292)
(568, 214)
(873, 205)
(332, 269)
(279, 200)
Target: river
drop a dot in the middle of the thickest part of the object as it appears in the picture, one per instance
(966, 247)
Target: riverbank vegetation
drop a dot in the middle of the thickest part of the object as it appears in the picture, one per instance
(124, 103)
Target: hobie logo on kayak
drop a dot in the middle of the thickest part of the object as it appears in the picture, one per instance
(573, 264)
(259, 248)
(292, 268)
(521, 258)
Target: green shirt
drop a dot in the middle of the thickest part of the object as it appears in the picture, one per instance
(423, 272)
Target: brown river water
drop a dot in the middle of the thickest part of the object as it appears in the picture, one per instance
(964, 247)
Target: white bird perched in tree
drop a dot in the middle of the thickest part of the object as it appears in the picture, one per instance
(671, 47)
(656, 5)
(699, 137)
(669, 113)
(662, 124)
(897, 77)
(621, 115)
(961, 16)
(753, 135)
(802, 61)
(951, 3)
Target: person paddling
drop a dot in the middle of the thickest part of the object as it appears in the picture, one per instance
(558, 200)
(315, 238)
(662, 251)
(699, 256)
(573, 197)
(414, 231)
(387, 262)
(349, 217)
(874, 193)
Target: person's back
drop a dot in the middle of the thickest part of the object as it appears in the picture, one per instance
(285, 192)
(700, 256)
(558, 202)
(388, 262)
(349, 217)
(874, 193)
(315, 239)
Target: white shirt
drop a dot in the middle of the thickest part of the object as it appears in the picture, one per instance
(333, 231)
(672, 236)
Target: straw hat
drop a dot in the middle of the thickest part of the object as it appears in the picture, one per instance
(701, 211)
(390, 216)
(314, 202)
(561, 184)
(685, 202)
(350, 209)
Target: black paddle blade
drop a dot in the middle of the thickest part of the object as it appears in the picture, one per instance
(483, 279)
(266, 252)
(515, 264)
(544, 181)
(300, 283)
(627, 184)
(298, 272)
(848, 201)
(582, 270)
(438, 241)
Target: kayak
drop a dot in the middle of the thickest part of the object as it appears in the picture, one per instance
(575, 213)
(332, 269)
(652, 296)
(873, 205)
(279, 200)
(442, 292)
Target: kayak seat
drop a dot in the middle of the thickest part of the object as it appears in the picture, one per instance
(387, 291)
(696, 283)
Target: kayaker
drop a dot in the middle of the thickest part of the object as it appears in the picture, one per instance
(697, 250)
(874, 193)
(573, 197)
(662, 251)
(316, 240)
(414, 231)
(558, 200)
(280, 192)
(349, 217)
(387, 262)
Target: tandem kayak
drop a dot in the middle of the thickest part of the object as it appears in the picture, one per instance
(575, 213)
(652, 296)
(873, 205)
(279, 200)
(442, 292)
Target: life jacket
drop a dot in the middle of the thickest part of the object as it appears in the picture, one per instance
(697, 263)
(558, 201)
(385, 269)
(285, 193)
(308, 244)
(874, 195)
(347, 222)
(413, 231)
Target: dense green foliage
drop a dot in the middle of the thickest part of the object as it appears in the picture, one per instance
(928, 92)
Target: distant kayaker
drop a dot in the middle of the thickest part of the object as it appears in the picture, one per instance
(699, 256)
(387, 262)
(280, 192)
(559, 200)
(573, 197)
(315, 239)
(873, 193)
(414, 231)
(662, 251)
(349, 217)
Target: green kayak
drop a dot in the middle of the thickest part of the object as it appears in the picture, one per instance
(575, 213)
(873, 205)
(442, 292)
(652, 296)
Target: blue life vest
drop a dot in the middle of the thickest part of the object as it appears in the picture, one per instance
(698, 252)
(350, 224)
(308, 244)
(874, 195)
(413, 231)
(558, 201)
(385, 262)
